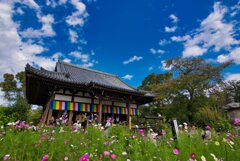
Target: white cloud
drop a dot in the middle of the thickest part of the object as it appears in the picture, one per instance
(234, 56)
(55, 3)
(150, 68)
(193, 51)
(180, 38)
(235, 9)
(73, 36)
(57, 55)
(170, 29)
(128, 77)
(174, 18)
(67, 60)
(60, 2)
(30, 3)
(233, 77)
(223, 58)
(215, 33)
(78, 17)
(163, 42)
(156, 51)
(19, 11)
(164, 67)
(87, 65)
(46, 30)
(78, 55)
(132, 59)
(14, 53)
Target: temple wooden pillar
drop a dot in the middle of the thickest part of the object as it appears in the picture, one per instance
(49, 115)
(137, 116)
(45, 114)
(129, 120)
(70, 118)
(100, 110)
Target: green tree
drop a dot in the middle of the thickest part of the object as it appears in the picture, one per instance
(183, 91)
(9, 87)
(14, 89)
(193, 77)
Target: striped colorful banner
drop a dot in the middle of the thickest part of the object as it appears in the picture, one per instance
(85, 107)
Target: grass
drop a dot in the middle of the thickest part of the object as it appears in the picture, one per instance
(27, 144)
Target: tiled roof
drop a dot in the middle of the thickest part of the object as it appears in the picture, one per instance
(69, 73)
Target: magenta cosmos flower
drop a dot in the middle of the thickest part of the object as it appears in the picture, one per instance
(176, 151)
(66, 141)
(193, 156)
(106, 153)
(45, 157)
(113, 156)
(84, 157)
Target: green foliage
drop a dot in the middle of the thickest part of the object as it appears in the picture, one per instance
(18, 107)
(35, 115)
(21, 107)
(9, 86)
(182, 91)
(6, 116)
(33, 145)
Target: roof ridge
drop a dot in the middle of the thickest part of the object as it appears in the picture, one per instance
(85, 68)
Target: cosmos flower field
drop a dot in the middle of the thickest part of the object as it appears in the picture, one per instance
(26, 142)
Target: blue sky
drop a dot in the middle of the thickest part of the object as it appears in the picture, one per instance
(130, 38)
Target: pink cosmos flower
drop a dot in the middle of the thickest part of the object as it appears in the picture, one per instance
(6, 157)
(237, 121)
(176, 151)
(18, 126)
(106, 153)
(208, 127)
(65, 158)
(113, 156)
(84, 157)
(193, 156)
(66, 141)
(45, 157)
(141, 132)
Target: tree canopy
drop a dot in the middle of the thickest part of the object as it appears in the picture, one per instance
(185, 85)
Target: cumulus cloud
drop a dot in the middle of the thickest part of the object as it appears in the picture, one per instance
(163, 42)
(79, 55)
(235, 76)
(214, 34)
(15, 53)
(170, 29)
(156, 51)
(84, 58)
(174, 18)
(234, 56)
(180, 38)
(73, 36)
(128, 77)
(132, 59)
(46, 30)
(193, 51)
(30, 3)
(164, 67)
(78, 17)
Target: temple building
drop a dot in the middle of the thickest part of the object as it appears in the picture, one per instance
(80, 90)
